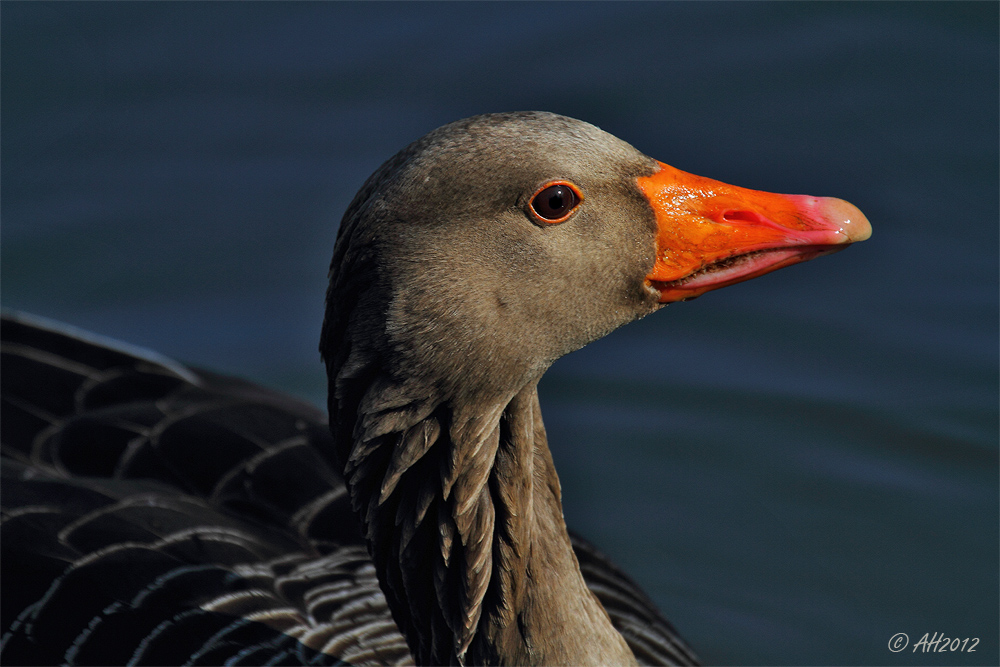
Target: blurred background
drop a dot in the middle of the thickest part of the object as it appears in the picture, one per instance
(796, 468)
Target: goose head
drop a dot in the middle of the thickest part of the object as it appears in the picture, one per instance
(497, 244)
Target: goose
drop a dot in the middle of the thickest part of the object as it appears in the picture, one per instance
(155, 513)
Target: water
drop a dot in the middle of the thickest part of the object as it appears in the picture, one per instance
(796, 468)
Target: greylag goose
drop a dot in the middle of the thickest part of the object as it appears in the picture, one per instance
(159, 514)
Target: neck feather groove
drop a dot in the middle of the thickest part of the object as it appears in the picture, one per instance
(461, 507)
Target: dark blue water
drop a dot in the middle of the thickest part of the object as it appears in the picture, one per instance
(796, 468)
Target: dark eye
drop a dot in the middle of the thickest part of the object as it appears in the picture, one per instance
(555, 202)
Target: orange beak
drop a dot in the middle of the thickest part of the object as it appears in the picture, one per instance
(711, 234)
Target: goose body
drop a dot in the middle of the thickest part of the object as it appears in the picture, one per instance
(158, 514)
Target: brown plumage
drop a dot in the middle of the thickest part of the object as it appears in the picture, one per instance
(446, 305)
(463, 268)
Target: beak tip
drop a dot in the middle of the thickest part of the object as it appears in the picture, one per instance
(853, 224)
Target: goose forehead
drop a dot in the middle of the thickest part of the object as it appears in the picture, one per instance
(523, 146)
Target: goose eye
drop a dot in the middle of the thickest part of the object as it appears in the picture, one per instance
(555, 202)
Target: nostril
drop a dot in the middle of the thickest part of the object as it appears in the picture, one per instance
(742, 216)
